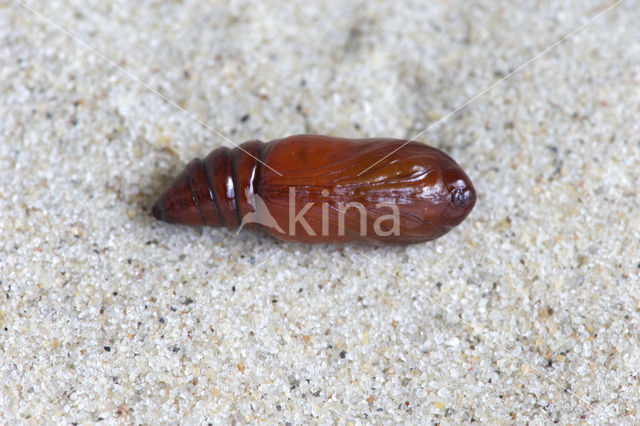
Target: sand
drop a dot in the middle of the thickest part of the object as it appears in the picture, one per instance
(526, 313)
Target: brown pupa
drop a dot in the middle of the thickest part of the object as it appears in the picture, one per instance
(319, 189)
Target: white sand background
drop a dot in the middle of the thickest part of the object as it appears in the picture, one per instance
(527, 312)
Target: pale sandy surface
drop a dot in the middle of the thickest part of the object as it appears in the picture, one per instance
(528, 312)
